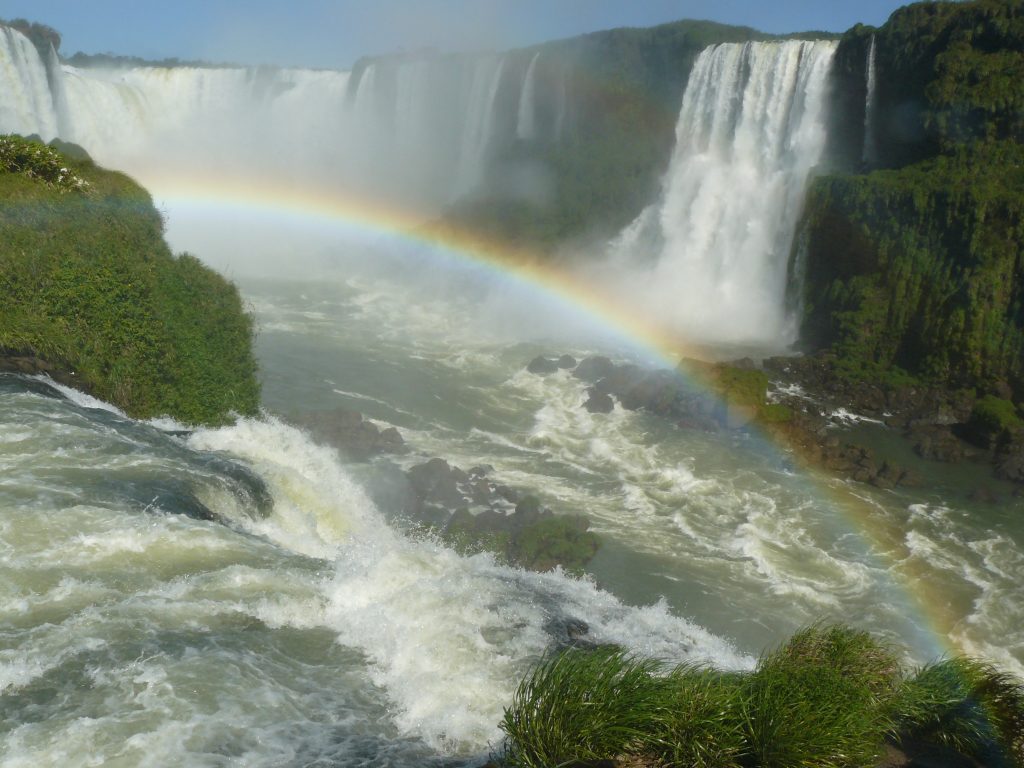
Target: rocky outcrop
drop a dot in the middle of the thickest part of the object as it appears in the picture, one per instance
(356, 437)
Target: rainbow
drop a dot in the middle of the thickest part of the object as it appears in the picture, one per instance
(361, 217)
(929, 610)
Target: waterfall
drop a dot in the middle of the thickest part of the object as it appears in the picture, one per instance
(716, 245)
(870, 152)
(526, 122)
(415, 131)
(478, 127)
(55, 78)
(26, 106)
(563, 105)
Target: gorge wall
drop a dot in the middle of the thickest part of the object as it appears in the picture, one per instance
(913, 243)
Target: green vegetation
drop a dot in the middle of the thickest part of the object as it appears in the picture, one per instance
(42, 36)
(967, 706)
(89, 285)
(831, 697)
(742, 390)
(913, 269)
(992, 420)
(919, 268)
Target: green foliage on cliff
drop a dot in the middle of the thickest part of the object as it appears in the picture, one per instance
(88, 284)
(915, 271)
(920, 268)
(961, 65)
(831, 697)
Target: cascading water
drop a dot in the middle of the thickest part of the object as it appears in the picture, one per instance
(26, 104)
(869, 155)
(55, 78)
(712, 253)
(526, 122)
(479, 125)
(415, 131)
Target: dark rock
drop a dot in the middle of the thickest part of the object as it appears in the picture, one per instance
(1010, 462)
(983, 495)
(436, 481)
(542, 365)
(910, 479)
(569, 633)
(531, 537)
(350, 433)
(659, 392)
(592, 369)
(937, 443)
(566, 362)
(598, 402)
(507, 493)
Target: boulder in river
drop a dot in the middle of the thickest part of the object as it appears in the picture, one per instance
(592, 369)
(598, 402)
(542, 365)
(352, 434)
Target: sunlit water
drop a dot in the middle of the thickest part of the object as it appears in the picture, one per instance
(328, 634)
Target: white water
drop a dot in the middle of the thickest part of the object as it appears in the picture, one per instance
(326, 632)
(416, 131)
(712, 253)
(26, 105)
(870, 152)
(478, 128)
(164, 628)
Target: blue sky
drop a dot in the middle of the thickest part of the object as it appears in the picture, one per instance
(333, 33)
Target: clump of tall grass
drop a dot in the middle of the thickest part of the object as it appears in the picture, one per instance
(967, 706)
(831, 697)
(585, 705)
(819, 701)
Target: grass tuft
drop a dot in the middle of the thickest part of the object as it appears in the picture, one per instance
(831, 697)
(967, 706)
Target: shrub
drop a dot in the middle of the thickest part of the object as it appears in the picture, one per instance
(991, 417)
(704, 728)
(88, 284)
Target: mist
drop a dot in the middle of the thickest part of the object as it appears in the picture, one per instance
(288, 172)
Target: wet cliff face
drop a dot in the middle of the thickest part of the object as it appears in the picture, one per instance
(945, 74)
(92, 294)
(913, 244)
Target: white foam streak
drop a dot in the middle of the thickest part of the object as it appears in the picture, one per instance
(448, 636)
(526, 122)
(870, 152)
